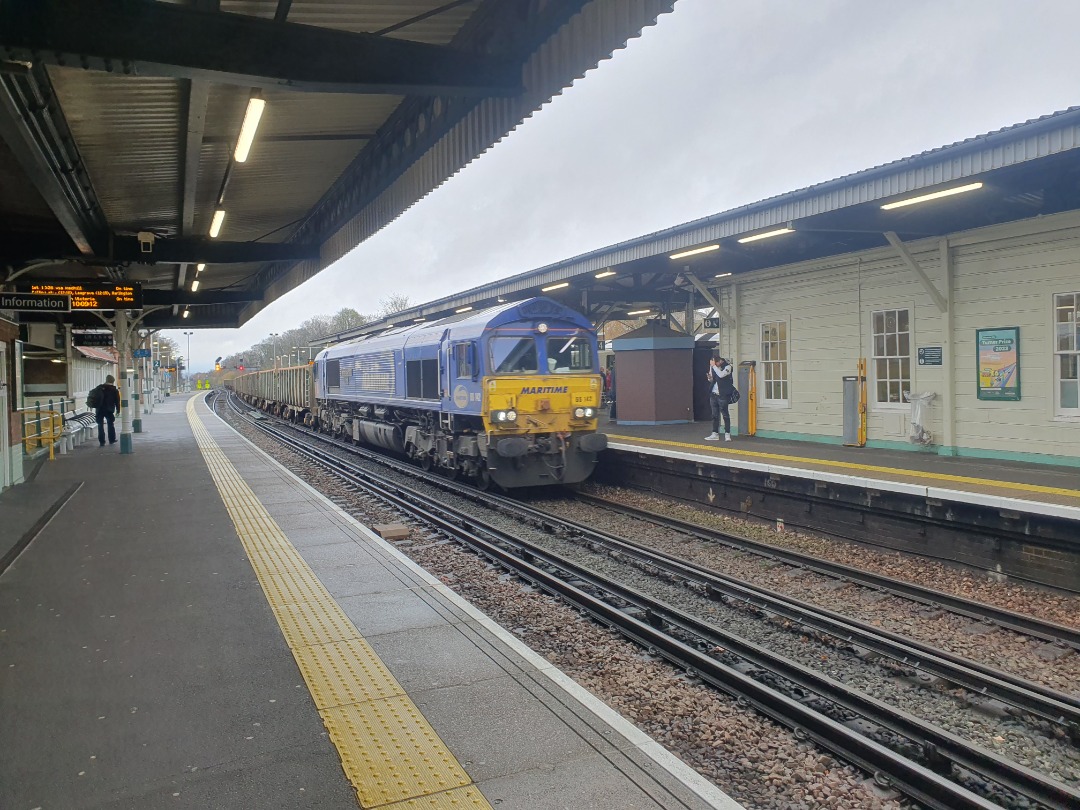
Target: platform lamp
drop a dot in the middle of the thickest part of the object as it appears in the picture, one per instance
(274, 335)
(189, 334)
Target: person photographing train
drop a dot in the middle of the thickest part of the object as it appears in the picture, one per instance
(721, 386)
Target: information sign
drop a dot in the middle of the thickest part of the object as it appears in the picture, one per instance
(712, 323)
(91, 339)
(998, 356)
(91, 294)
(930, 356)
(140, 353)
(25, 302)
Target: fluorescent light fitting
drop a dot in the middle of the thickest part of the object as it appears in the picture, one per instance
(694, 252)
(463, 309)
(766, 235)
(722, 275)
(199, 268)
(195, 285)
(605, 274)
(247, 130)
(936, 195)
(640, 312)
(558, 286)
(419, 320)
(215, 225)
(57, 360)
(187, 312)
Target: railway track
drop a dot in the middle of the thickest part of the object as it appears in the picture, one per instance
(932, 766)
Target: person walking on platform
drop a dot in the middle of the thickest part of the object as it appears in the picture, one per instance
(106, 403)
(721, 386)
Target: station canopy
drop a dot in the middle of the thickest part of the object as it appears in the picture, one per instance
(121, 146)
(1020, 172)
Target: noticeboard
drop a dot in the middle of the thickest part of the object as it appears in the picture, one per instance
(88, 295)
(998, 358)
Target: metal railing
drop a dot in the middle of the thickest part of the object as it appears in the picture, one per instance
(43, 424)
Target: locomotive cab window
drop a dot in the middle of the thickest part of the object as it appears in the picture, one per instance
(513, 355)
(465, 360)
(569, 354)
(333, 375)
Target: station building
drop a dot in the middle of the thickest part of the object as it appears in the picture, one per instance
(951, 277)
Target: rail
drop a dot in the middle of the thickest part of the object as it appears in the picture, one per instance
(41, 428)
(608, 601)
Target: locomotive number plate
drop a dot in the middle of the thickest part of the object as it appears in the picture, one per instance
(583, 399)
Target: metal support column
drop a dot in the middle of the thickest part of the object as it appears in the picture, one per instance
(123, 346)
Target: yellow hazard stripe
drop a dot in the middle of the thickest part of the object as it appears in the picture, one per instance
(850, 465)
(389, 752)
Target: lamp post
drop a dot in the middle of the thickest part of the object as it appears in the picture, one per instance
(189, 334)
(274, 335)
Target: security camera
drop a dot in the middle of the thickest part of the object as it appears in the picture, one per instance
(146, 241)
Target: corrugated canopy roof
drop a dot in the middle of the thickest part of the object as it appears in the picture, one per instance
(120, 118)
(1026, 170)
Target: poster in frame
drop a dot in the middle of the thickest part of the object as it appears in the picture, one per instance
(997, 354)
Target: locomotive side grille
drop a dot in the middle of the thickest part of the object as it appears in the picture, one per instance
(369, 373)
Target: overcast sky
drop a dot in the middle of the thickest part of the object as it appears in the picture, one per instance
(722, 103)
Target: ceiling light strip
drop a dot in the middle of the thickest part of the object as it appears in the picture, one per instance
(252, 116)
(558, 286)
(934, 196)
(694, 252)
(766, 235)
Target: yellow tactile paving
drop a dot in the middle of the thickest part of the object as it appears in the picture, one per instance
(1008, 486)
(456, 799)
(391, 767)
(346, 672)
(389, 752)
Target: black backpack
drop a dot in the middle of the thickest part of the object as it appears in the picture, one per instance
(93, 399)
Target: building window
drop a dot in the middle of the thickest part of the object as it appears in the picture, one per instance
(774, 362)
(892, 355)
(1067, 353)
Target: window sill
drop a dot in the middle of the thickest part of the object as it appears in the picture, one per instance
(774, 405)
(1067, 418)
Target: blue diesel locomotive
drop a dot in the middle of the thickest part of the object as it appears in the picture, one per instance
(508, 396)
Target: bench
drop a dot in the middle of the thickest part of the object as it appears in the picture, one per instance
(78, 427)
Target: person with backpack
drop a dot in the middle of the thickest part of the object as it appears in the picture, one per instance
(721, 389)
(105, 400)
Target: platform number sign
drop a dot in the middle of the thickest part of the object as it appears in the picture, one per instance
(712, 323)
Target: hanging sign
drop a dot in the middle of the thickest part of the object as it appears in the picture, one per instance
(92, 339)
(140, 353)
(91, 294)
(26, 302)
(998, 356)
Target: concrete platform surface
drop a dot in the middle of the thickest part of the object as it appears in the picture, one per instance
(141, 665)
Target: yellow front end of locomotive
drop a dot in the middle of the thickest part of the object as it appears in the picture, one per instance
(553, 403)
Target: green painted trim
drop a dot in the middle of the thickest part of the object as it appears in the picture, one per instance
(1008, 455)
(955, 452)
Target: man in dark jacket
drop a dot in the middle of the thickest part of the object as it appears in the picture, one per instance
(721, 386)
(107, 409)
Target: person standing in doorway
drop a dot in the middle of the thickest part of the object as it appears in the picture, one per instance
(106, 409)
(720, 387)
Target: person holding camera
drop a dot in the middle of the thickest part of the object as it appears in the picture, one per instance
(721, 387)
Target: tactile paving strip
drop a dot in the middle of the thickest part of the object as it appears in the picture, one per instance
(390, 753)
(411, 761)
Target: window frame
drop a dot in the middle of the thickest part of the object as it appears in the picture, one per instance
(762, 385)
(1060, 412)
(872, 400)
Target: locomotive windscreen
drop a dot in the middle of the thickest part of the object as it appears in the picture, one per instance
(333, 375)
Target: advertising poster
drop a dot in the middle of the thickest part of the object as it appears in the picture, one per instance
(998, 356)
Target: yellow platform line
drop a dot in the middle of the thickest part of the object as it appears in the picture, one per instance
(389, 752)
(851, 465)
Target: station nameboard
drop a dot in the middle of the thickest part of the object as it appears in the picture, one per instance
(92, 339)
(92, 294)
(25, 302)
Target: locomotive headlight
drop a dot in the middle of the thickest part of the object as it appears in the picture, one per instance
(589, 413)
(542, 328)
(504, 416)
(511, 416)
(579, 413)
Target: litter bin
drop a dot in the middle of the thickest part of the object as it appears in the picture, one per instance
(919, 432)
